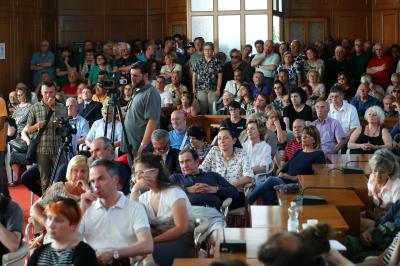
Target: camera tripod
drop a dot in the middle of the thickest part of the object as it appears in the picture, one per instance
(113, 102)
(65, 151)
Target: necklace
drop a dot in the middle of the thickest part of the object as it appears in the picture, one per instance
(374, 133)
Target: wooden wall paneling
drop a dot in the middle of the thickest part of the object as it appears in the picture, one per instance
(80, 28)
(6, 65)
(175, 16)
(83, 8)
(350, 5)
(26, 42)
(48, 29)
(307, 4)
(125, 27)
(126, 7)
(376, 26)
(385, 4)
(390, 27)
(155, 29)
(348, 24)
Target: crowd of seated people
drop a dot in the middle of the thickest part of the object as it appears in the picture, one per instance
(288, 105)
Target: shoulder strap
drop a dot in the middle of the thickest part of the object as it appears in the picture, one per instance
(183, 142)
(48, 116)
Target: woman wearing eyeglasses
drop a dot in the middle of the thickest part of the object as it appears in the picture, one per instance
(168, 209)
(343, 81)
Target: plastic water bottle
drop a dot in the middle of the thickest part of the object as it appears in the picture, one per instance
(293, 221)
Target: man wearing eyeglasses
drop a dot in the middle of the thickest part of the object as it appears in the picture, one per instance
(102, 148)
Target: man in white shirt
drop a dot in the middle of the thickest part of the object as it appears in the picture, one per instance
(114, 225)
(166, 96)
(344, 112)
(233, 86)
(97, 129)
(267, 62)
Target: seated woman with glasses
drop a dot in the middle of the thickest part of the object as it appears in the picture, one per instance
(168, 209)
(62, 219)
(300, 164)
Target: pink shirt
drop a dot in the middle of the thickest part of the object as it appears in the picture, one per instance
(388, 194)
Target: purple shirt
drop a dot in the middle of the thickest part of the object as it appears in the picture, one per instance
(331, 132)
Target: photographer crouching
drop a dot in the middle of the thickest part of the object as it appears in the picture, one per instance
(42, 129)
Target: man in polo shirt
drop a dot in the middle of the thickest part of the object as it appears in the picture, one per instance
(330, 130)
(143, 112)
(363, 101)
(295, 144)
(267, 62)
(344, 112)
(178, 134)
(115, 226)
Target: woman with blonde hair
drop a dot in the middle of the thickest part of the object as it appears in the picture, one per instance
(77, 183)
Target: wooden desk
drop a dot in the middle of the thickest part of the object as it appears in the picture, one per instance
(358, 182)
(254, 237)
(335, 169)
(346, 201)
(206, 262)
(343, 158)
(277, 216)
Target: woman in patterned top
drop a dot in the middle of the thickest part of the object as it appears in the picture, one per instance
(230, 162)
(77, 183)
(63, 217)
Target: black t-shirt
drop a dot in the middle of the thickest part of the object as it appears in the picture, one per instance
(235, 128)
(10, 218)
(305, 114)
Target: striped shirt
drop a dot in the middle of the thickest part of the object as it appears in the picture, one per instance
(59, 257)
(390, 250)
(291, 148)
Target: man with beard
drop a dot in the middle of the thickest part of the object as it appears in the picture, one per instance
(143, 112)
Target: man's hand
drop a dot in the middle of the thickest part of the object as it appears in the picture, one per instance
(87, 199)
(202, 188)
(105, 257)
(217, 93)
(366, 238)
(140, 150)
(41, 124)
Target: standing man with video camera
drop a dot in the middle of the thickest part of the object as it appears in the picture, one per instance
(143, 112)
(47, 147)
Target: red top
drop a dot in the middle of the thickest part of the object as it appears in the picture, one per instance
(69, 89)
(381, 78)
(291, 148)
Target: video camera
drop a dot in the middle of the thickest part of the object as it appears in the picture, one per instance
(64, 128)
(110, 85)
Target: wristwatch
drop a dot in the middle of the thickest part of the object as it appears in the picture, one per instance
(115, 254)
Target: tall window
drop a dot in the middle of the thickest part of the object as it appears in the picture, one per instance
(235, 23)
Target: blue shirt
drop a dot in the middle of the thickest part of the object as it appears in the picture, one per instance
(395, 130)
(392, 215)
(38, 58)
(226, 190)
(363, 106)
(265, 89)
(82, 129)
(176, 138)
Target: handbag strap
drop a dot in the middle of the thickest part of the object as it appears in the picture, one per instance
(48, 117)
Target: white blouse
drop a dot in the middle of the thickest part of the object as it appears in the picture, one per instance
(259, 154)
(233, 169)
(389, 193)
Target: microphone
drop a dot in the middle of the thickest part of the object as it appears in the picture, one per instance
(352, 170)
(231, 246)
(315, 200)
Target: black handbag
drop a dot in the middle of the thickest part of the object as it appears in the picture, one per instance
(31, 152)
(18, 145)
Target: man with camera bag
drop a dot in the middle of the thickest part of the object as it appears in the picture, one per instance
(47, 148)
